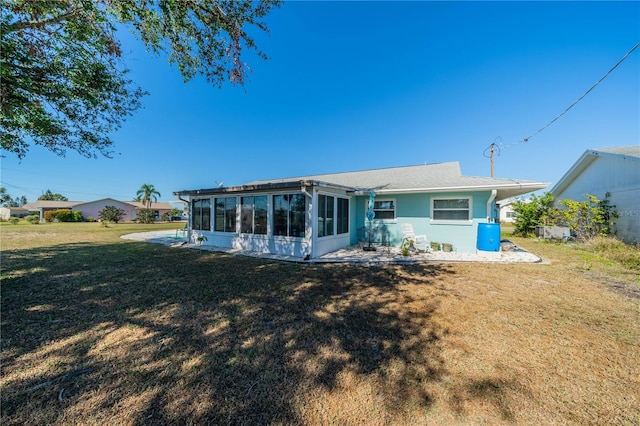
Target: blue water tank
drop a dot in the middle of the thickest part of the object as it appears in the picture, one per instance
(489, 236)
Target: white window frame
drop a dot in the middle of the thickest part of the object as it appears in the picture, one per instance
(376, 219)
(468, 221)
(336, 197)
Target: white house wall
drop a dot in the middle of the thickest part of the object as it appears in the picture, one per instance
(329, 243)
(621, 178)
(281, 245)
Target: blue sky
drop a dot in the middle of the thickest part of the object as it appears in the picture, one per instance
(363, 85)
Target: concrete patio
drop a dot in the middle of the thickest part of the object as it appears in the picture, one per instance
(510, 253)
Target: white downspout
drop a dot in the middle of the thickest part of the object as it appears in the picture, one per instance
(309, 251)
(494, 193)
(305, 192)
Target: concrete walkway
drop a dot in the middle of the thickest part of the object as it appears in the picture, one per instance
(354, 254)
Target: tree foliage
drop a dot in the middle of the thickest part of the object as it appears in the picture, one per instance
(7, 201)
(63, 83)
(63, 215)
(531, 213)
(587, 219)
(146, 194)
(50, 196)
(146, 216)
(111, 214)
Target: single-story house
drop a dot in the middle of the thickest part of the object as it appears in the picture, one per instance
(39, 207)
(607, 170)
(92, 208)
(309, 216)
(7, 212)
(506, 213)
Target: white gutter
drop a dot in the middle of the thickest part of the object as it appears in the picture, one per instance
(531, 185)
(494, 192)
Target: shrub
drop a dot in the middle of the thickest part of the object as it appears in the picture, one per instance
(14, 220)
(146, 216)
(90, 219)
(33, 219)
(587, 219)
(111, 214)
(63, 215)
(530, 214)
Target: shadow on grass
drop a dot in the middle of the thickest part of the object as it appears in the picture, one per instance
(143, 334)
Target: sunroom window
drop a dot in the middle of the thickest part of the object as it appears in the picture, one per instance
(289, 215)
(201, 217)
(225, 219)
(253, 215)
(332, 210)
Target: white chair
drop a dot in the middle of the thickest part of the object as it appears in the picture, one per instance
(420, 242)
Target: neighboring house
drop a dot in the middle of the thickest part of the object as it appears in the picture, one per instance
(92, 208)
(313, 215)
(507, 214)
(7, 212)
(607, 170)
(131, 208)
(39, 207)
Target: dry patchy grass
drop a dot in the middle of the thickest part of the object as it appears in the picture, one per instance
(96, 330)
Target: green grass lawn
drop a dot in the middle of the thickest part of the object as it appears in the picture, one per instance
(100, 330)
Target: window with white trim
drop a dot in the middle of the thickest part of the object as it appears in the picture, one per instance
(342, 216)
(451, 209)
(225, 219)
(325, 215)
(289, 215)
(385, 209)
(201, 214)
(332, 209)
(253, 214)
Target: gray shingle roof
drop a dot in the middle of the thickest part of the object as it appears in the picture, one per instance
(439, 177)
(422, 177)
(630, 151)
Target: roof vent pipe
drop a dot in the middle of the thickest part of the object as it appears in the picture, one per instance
(494, 192)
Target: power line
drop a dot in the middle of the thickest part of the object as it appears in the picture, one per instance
(523, 140)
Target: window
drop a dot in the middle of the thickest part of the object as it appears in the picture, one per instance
(342, 219)
(289, 212)
(451, 209)
(510, 215)
(384, 209)
(332, 210)
(325, 215)
(225, 220)
(201, 215)
(253, 215)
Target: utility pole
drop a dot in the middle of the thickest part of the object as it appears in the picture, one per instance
(491, 156)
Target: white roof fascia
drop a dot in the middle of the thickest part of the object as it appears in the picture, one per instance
(585, 160)
(532, 186)
(578, 167)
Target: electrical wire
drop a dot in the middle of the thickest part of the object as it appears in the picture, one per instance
(523, 140)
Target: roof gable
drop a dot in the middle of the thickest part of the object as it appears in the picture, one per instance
(630, 153)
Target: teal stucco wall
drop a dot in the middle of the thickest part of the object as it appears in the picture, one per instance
(416, 209)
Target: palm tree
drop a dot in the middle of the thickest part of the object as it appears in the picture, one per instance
(146, 193)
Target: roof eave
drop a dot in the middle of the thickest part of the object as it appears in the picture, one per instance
(523, 187)
(263, 187)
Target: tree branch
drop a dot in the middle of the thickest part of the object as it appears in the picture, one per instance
(20, 25)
